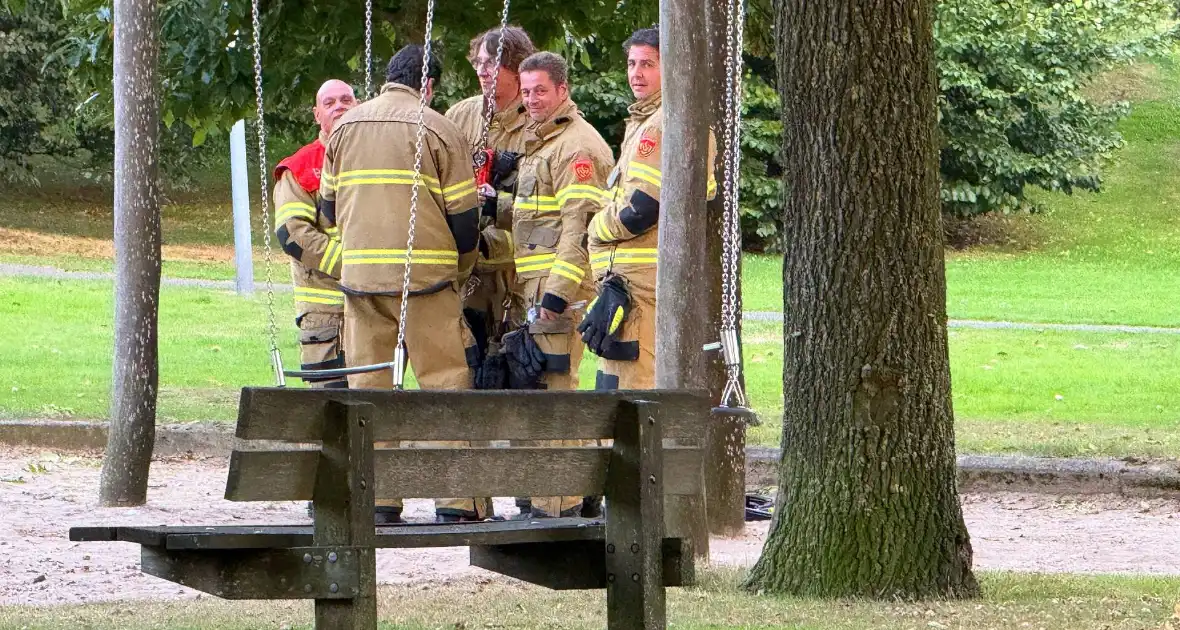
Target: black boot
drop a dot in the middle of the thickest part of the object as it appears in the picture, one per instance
(447, 515)
(387, 515)
(591, 507)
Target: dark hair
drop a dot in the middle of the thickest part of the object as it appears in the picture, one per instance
(643, 37)
(517, 46)
(406, 67)
(550, 63)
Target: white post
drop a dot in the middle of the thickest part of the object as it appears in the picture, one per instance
(243, 253)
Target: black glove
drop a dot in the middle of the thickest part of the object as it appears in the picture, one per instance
(493, 373)
(526, 361)
(478, 324)
(503, 165)
(600, 328)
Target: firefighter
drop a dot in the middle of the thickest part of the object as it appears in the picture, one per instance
(623, 237)
(486, 295)
(368, 180)
(313, 246)
(560, 185)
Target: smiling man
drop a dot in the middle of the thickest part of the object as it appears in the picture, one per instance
(624, 236)
(558, 188)
(312, 245)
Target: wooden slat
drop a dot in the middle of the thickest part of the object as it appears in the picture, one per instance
(299, 573)
(408, 536)
(575, 565)
(296, 415)
(441, 472)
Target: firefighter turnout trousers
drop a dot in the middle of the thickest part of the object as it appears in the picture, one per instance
(438, 343)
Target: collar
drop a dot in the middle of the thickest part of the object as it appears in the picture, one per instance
(557, 122)
(512, 117)
(646, 107)
(398, 87)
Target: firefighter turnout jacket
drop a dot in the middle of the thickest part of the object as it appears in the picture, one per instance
(303, 232)
(558, 188)
(368, 180)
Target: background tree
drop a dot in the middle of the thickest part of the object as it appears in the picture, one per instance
(867, 502)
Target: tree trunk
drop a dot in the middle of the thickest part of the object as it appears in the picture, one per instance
(137, 255)
(867, 504)
(727, 475)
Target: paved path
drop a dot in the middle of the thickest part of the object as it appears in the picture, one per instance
(750, 316)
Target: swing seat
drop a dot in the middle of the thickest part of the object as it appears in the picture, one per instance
(744, 413)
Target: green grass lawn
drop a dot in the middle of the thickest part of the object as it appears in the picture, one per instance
(1105, 258)
(1010, 600)
(1117, 391)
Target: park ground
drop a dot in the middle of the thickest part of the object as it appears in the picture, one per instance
(1111, 258)
(1045, 561)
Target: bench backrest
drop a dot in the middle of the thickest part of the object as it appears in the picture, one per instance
(279, 431)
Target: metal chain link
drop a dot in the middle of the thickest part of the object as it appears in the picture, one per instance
(490, 98)
(398, 375)
(368, 49)
(264, 191)
(731, 221)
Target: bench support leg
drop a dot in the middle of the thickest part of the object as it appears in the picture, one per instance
(344, 511)
(635, 521)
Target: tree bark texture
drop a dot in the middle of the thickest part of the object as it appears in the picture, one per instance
(681, 310)
(868, 504)
(727, 476)
(137, 255)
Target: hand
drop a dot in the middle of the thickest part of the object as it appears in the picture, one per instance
(547, 315)
(486, 191)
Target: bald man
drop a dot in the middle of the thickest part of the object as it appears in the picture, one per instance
(314, 247)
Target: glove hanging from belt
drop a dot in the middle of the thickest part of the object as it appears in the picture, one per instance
(493, 372)
(604, 319)
(524, 358)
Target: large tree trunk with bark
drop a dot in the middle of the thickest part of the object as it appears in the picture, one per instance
(137, 255)
(868, 504)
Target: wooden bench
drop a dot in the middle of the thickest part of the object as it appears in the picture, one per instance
(318, 445)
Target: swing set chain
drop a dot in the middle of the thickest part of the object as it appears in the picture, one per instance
(264, 192)
(398, 375)
(490, 98)
(731, 222)
(368, 49)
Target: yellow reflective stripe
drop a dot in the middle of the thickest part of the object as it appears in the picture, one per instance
(536, 257)
(319, 296)
(459, 191)
(636, 255)
(636, 250)
(386, 172)
(401, 260)
(294, 209)
(654, 181)
(332, 231)
(536, 267)
(400, 252)
(601, 231)
(315, 291)
(538, 203)
(581, 191)
(563, 270)
(644, 168)
(328, 180)
(331, 255)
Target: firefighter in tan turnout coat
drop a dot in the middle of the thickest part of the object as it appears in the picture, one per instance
(620, 326)
(367, 183)
(312, 244)
(558, 188)
(487, 295)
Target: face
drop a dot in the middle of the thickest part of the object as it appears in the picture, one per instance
(507, 81)
(540, 94)
(643, 71)
(334, 98)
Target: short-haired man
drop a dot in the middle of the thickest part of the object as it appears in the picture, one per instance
(558, 188)
(367, 184)
(312, 244)
(486, 298)
(620, 328)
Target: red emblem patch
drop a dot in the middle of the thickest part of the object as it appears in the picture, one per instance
(583, 169)
(647, 146)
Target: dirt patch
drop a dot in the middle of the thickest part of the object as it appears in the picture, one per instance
(1136, 82)
(29, 243)
(45, 494)
(1005, 232)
